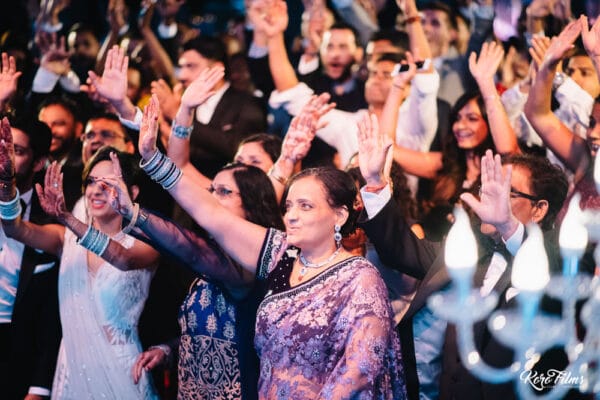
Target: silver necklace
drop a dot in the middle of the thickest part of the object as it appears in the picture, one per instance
(307, 264)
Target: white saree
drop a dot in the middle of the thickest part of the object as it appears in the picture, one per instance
(99, 316)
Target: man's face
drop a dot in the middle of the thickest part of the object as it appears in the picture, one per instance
(379, 83)
(582, 71)
(338, 52)
(438, 31)
(23, 156)
(191, 64)
(63, 126)
(378, 47)
(103, 132)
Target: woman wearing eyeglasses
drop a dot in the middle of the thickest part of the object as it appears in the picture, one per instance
(104, 276)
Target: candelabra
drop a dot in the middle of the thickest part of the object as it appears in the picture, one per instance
(526, 330)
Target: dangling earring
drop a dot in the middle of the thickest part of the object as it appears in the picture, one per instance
(337, 236)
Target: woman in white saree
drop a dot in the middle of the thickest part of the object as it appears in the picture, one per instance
(104, 277)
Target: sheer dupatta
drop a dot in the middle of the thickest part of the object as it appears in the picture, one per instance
(99, 345)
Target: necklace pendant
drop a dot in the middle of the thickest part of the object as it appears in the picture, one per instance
(302, 273)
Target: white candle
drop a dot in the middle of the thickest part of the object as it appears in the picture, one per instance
(573, 237)
(460, 251)
(530, 266)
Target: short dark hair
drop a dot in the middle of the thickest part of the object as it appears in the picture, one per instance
(392, 57)
(111, 117)
(339, 25)
(257, 194)
(271, 144)
(211, 48)
(339, 188)
(130, 169)
(440, 6)
(548, 182)
(396, 38)
(66, 103)
(39, 134)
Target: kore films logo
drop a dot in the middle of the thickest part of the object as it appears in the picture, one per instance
(553, 377)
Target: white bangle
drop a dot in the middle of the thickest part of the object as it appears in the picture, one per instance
(133, 220)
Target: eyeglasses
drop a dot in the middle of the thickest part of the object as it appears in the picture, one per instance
(104, 134)
(221, 191)
(515, 193)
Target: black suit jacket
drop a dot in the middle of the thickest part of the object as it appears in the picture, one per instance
(398, 248)
(35, 332)
(212, 145)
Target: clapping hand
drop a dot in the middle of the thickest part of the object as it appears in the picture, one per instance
(51, 195)
(374, 151)
(149, 129)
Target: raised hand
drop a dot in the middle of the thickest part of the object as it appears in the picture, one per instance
(484, 68)
(118, 194)
(169, 99)
(493, 205)
(8, 77)
(202, 87)
(298, 138)
(270, 17)
(402, 79)
(112, 85)
(51, 196)
(146, 361)
(149, 129)
(55, 57)
(590, 37)
(317, 107)
(562, 43)
(374, 153)
(539, 46)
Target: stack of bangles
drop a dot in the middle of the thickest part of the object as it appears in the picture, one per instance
(10, 210)
(94, 240)
(162, 170)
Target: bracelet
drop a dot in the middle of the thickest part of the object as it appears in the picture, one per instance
(142, 218)
(376, 189)
(181, 132)
(10, 210)
(413, 19)
(276, 176)
(162, 170)
(133, 220)
(94, 241)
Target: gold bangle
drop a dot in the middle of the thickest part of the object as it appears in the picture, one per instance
(412, 20)
(277, 177)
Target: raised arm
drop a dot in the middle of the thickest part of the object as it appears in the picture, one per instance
(396, 96)
(483, 70)
(239, 238)
(140, 255)
(179, 140)
(112, 85)
(47, 237)
(570, 148)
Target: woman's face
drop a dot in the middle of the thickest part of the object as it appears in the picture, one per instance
(309, 219)
(254, 154)
(226, 191)
(96, 192)
(469, 128)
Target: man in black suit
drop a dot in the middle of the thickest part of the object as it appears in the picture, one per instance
(29, 321)
(534, 193)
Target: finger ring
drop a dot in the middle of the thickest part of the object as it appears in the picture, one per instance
(55, 184)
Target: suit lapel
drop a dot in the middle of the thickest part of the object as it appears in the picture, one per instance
(437, 277)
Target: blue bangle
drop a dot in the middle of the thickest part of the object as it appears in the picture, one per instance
(181, 132)
(10, 210)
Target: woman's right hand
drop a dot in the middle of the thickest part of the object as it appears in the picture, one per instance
(51, 196)
(147, 361)
(119, 197)
(149, 129)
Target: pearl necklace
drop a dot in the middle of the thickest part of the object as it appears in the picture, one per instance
(307, 264)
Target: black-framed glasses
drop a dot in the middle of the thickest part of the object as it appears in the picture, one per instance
(221, 191)
(514, 193)
(105, 134)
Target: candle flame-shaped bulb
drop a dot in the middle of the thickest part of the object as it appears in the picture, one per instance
(461, 247)
(530, 266)
(573, 237)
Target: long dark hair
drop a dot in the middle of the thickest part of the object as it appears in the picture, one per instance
(257, 194)
(339, 188)
(130, 170)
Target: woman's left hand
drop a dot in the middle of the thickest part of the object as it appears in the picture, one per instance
(51, 196)
(374, 155)
(118, 195)
(7, 159)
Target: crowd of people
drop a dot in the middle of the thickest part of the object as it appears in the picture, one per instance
(203, 202)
